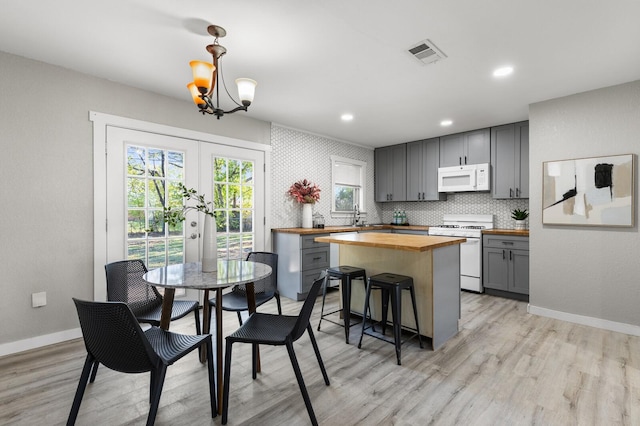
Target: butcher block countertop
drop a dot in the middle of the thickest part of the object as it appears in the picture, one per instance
(498, 231)
(346, 228)
(393, 241)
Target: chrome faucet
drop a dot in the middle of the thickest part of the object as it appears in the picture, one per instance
(356, 215)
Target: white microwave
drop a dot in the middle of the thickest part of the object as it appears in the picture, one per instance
(471, 177)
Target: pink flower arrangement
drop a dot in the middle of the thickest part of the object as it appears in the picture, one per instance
(305, 192)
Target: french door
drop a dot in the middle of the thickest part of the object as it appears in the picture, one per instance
(143, 170)
(234, 179)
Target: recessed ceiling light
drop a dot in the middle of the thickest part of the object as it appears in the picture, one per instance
(446, 123)
(502, 72)
(346, 117)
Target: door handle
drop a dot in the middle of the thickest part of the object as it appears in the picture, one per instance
(510, 256)
(465, 159)
(193, 236)
(510, 192)
(460, 161)
(503, 255)
(507, 243)
(423, 195)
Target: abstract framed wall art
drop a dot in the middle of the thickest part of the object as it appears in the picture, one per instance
(595, 191)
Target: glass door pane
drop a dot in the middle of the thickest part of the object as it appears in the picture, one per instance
(231, 177)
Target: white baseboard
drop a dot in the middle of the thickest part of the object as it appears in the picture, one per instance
(39, 341)
(619, 327)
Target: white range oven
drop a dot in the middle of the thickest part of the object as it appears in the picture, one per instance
(468, 226)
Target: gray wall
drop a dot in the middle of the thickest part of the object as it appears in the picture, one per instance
(46, 188)
(588, 271)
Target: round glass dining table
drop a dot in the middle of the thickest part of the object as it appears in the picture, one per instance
(189, 275)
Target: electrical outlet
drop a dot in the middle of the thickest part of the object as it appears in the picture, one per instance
(39, 299)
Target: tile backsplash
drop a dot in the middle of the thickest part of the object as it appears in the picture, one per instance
(431, 212)
(299, 155)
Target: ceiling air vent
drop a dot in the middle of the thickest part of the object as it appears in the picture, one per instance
(427, 52)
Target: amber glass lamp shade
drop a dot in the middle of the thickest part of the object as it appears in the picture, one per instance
(195, 94)
(202, 74)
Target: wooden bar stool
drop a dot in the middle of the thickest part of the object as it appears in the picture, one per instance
(391, 285)
(345, 274)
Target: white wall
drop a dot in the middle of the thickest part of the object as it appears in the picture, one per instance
(298, 155)
(585, 274)
(46, 183)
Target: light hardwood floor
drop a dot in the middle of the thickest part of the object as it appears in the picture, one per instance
(505, 367)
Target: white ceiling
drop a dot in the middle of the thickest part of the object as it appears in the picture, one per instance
(315, 60)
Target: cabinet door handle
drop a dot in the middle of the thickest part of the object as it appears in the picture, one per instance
(507, 243)
(460, 161)
(423, 195)
(510, 256)
(503, 255)
(510, 192)
(517, 192)
(465, 159)
(317, 258)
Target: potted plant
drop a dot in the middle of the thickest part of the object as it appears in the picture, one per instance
(520, 217)
(173, 215)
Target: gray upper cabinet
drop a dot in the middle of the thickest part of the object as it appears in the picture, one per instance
(510, 160)
(466, 148)
(391, 173)
(423, 160)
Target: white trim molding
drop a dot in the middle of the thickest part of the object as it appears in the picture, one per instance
(100, 123)
(618, 327)
(39, 341)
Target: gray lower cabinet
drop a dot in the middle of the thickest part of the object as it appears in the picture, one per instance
(423, 160)
(472, 147)
(505, 263)
(510, 160)
(300, 261)
(391, 173)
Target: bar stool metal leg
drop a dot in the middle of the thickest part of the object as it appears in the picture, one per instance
(324, 296)
(396, 311)
(365, 310)
(346, 306)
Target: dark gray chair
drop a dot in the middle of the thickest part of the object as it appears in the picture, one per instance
(276, 330)
(265, 289)
(113, 337)
(125, 284)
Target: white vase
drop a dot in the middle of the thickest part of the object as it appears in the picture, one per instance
(521, 225)
(209, 245)
(307, 215)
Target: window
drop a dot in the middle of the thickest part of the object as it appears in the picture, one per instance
(347, 182)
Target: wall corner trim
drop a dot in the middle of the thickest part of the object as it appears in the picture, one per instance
(618, 327)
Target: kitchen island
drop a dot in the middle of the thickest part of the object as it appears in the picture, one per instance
(434, 264)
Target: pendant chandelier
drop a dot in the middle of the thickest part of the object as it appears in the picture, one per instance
(206, 82)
